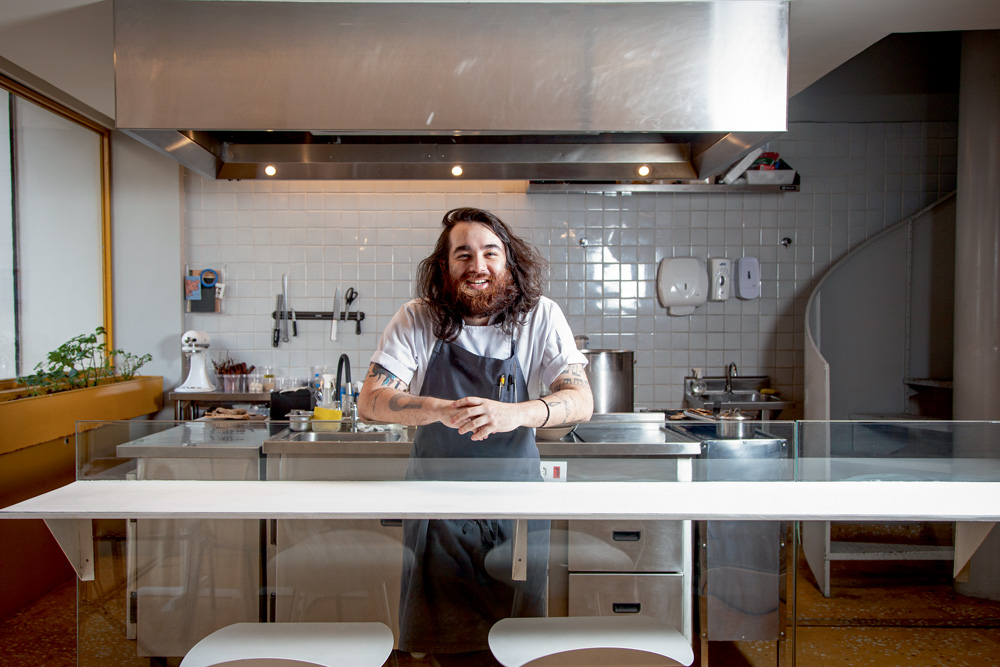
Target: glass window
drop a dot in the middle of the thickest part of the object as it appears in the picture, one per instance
(53, 213)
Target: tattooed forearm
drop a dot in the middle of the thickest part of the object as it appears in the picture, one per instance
(571, 398)
(400, 402)
(573, 376)
(385, 378)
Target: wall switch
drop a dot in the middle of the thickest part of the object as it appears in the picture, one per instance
(719, 273)
(746, 285)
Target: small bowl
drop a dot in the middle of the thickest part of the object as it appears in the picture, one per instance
(553, 432)
(298, 420)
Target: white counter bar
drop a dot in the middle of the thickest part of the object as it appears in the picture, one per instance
(751, 501)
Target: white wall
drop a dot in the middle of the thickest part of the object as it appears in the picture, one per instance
(68, 44)
(857, 180)
(146, 256)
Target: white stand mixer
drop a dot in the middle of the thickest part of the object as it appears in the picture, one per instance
(194, 345)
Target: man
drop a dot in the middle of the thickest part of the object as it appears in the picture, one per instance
(457, 363)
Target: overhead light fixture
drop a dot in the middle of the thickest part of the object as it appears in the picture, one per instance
(270, 170)
(456, 170)
(643, 170)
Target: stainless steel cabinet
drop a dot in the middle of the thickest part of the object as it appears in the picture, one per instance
(639, 567)
(649, 594)
(334, 571)
(626, 546)
(192, 576)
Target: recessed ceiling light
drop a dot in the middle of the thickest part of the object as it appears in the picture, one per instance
(643, 170)
(456, 170)
(270, 170)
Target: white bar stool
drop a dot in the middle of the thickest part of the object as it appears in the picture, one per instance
(592, 641)
(293, 644)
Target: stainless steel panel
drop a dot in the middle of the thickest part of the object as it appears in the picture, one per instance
(661, 596)
(610, 373)
(362, 587)
(440, 68)
(742, 574)
(627, 546)
(193, 577)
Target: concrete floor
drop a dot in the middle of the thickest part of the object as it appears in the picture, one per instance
(880, 614)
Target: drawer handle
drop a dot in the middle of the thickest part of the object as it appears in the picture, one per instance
(626, 535)
(391, 522)
(626, 607)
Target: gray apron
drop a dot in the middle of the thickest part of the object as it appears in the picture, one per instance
(456, 579)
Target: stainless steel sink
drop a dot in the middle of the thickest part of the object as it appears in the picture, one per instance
(736, 400)
(745, 395)
(343, 436)
(737, 397)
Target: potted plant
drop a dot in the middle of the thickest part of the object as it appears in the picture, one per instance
(80, 379)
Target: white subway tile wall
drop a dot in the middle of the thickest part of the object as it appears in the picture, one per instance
(856, 180)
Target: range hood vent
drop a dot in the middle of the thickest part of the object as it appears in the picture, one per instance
(550, 91)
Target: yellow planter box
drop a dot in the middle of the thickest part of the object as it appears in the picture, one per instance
(37, 419)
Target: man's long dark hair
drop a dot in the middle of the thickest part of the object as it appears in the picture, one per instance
(523, 262)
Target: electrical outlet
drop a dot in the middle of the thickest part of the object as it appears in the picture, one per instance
(554, 471)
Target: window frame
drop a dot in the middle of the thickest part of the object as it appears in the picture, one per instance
(104, 142)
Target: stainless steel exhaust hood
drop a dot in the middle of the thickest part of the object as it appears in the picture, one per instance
(553, 91)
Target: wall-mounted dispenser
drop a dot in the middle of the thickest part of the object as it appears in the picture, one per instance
(681, 284)
(746, 285)
(719, 273)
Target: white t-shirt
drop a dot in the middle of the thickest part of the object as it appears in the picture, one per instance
(545, 345)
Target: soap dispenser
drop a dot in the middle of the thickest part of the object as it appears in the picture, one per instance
(747, 282)
(719, 276)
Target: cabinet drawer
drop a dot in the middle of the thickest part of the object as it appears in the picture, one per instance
(658, 595)
(627, 546)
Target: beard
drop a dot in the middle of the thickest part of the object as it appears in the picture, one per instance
(496, 298)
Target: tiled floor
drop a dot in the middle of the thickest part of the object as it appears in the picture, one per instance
(881, 614)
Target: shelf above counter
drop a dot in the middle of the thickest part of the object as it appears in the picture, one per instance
(549, 187)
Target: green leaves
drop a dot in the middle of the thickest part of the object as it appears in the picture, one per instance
(82, 361)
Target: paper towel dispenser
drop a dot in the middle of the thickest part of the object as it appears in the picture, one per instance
(681, 284)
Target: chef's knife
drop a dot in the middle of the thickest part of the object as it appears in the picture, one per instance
(277, 321)
(284, 305)
(336, 314)
(291, 311)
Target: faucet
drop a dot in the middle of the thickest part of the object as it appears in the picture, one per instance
(344, 361)
(731, 372)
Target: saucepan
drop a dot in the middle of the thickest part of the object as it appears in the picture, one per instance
(734, 425)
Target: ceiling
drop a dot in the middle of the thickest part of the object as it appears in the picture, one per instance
(823, 34)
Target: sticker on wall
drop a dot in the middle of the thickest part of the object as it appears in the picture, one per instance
(192, 288)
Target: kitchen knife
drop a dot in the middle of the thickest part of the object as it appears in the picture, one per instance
(284, 305)
(336, 314)
(277, 321)
(291, 311)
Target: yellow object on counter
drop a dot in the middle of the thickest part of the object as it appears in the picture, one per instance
(770, 392)
(326, 419)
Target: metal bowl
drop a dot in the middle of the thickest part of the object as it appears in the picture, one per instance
(553, 432)
(298, 420)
